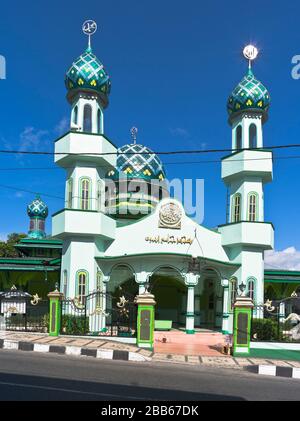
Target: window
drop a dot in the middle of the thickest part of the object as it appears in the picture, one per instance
(238, 137)
(82, 286)
(75, 115)
(70, 193)
(99, 121)
(252, 207)
(65, 283)
(99, 196)
(87, 118)
(84, 194)
(251, 288)
(236, 211)
(252, 136)
(233, 291)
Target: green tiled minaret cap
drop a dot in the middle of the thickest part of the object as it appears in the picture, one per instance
(87, 74)
(250, 94)
(37, 208)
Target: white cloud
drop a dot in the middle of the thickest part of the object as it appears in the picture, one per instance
(62, 126)
(179, 131)
(285, 259)
(32, 139)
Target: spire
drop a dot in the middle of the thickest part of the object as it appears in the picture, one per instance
(89, 27)
(133, 132)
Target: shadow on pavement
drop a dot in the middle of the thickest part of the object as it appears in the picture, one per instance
(32, 388)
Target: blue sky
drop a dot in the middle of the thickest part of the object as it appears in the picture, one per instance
(172, 66)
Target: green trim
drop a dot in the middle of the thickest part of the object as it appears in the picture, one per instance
(283, 281)
(44, 241)
(189, 331)
(34, 268)
(225, 332)
(85, 272)
(74, 210)
(139, 341)
(278, 354)
(90, 184)
(233, 207)
(253, 193)
(166, 254)
(282, 272)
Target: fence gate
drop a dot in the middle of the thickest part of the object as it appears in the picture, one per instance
(21, 311)
(281, 322)
(99, 314)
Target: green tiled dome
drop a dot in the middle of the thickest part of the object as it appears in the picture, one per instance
(87, 73)
(137, 161)
(249, 94)
(37, 208)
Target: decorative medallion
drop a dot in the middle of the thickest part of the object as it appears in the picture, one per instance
(170, 216)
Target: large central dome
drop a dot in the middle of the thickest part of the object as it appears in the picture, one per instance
(136, 161)
(139, 182)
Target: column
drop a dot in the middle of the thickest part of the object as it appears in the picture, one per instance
(103, 304)
(190, 315)
(225, 319)
(141, 278)
(55, 312)
(191, 280)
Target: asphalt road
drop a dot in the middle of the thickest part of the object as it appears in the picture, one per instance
(32, 376)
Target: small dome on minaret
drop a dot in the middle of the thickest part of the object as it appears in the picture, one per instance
(250, 94)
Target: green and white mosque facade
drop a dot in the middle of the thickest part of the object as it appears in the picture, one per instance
(132, 240)
(110, 238)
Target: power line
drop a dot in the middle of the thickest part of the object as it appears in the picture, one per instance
(183, 152)
(274, 158)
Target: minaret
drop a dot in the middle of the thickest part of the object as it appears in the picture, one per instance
(37, 211)
(87, 155)
(245, 171)
(88, 87)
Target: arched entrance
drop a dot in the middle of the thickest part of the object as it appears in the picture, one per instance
(170, 292)
(209, 301)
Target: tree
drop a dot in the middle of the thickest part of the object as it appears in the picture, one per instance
(7, 248)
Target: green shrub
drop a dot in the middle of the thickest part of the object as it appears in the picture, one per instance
(74, 325)
(265, 330)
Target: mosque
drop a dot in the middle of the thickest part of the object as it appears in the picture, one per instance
(120, 228)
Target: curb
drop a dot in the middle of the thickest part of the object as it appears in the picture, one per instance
(106, 354)
(275, 371)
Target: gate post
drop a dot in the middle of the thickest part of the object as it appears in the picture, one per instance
(242, 325)
(55, 298)
(145, 320)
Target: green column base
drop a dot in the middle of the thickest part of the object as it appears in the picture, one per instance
(190, 332)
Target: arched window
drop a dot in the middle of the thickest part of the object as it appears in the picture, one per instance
(87, 118)
(252, 207)
(85, 186)
(99, 121)
(238, 137)
(99, 196)
(233, 291)
(75, 115)
(70, 193)
(82, 286)
(65, 283)
(236, 207)
(252, 136)
(251, 288)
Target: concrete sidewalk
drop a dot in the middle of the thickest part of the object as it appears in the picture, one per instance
(104, 349)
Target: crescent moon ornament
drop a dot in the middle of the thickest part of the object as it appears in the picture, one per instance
(250, 52)
(89, 27)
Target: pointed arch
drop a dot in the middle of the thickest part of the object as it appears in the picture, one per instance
(87, 118)
(238, 137)
(252, 136)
